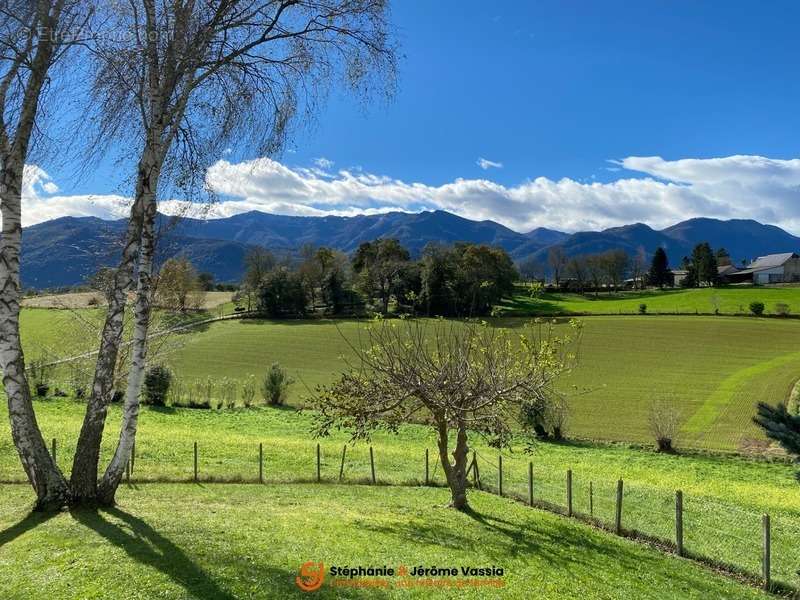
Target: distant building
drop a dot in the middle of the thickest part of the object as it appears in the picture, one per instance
(772, 268)
(678, 275)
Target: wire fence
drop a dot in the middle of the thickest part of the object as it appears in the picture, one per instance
(756, 547)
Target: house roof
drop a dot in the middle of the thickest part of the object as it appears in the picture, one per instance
(770, 261)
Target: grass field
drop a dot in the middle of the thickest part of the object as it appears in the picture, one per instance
(624, 364)
(714, 369)
(727, 300)
(723, 497)
(254, 539)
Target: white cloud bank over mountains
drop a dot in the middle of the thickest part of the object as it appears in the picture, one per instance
(663, 192)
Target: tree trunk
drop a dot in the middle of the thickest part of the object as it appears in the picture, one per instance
(43, 474)
(456, 472)
(87, 453)
(107, 488)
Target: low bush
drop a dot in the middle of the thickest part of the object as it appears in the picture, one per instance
(643, 309)
(757, 308)
(782, 309)
(275, 384)
(157, 381)
(39, 375)
(664, 420)
(248, 391)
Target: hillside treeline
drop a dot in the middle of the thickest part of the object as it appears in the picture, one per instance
(459, 280)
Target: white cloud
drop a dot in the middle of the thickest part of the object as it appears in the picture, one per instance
(323, 163)
(488, 164)
(662, 193)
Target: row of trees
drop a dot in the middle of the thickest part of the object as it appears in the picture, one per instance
(458, 280)
(610, 269)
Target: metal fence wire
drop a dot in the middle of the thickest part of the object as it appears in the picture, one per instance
(722, 533)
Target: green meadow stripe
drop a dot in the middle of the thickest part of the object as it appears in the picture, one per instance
(705, 416)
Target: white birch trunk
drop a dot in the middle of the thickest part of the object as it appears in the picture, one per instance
(87, 454)
(113, 475)
(43, 474)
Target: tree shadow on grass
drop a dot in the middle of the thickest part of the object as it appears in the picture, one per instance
(561, 549)
(148, 547)
(32, 520)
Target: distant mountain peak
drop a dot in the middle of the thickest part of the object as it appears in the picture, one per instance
(65, 250)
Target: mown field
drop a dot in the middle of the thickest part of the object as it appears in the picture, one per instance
(723, 497)
(713, 368)
(731, 300)
(625, 363)
(245, 541)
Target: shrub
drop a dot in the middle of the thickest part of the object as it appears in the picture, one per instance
(643, 309)
(757, 308)
(93, 301)
(175, 393)
(79, 379)
(275, 384)
(782, 309)
(248, 391)
(39, 374)
(546, 417)
(157, 381)
(557, 415)
(228, 393)
(664, 420)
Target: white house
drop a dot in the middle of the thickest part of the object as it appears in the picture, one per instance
(773, 268)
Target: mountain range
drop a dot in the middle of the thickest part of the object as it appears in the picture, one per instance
(64, 251)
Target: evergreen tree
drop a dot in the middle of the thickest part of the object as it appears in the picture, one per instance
(659, 273)
(705, 264)
(782, 426)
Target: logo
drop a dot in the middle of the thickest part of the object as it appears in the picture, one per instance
(311, 576)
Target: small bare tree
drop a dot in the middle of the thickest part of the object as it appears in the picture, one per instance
(459, 377)
(664, 420)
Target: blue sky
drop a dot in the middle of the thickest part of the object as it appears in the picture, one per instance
(557, 90)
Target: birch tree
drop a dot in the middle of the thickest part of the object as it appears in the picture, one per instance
(34, 35)
(187, 78)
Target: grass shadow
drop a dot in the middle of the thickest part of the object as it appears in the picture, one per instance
(147, 546)
(30, 521)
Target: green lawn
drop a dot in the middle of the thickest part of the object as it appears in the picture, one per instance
(724, 497)
(728, 300)
(714, 369)
(247, 541)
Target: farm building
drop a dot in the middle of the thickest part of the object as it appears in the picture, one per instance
(773, 268)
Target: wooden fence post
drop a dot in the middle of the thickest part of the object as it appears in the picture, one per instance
(591, 500)
(530, 483)
(679, 521)
(426, 467)
(133, 455)
(766, 552)
(341, 467)
(618, 512)
(475, 471)
(195, 462)
(569, 492)
(319, 472)
(500, 471)
(372, 464)
(261, 462)
(54, 450)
